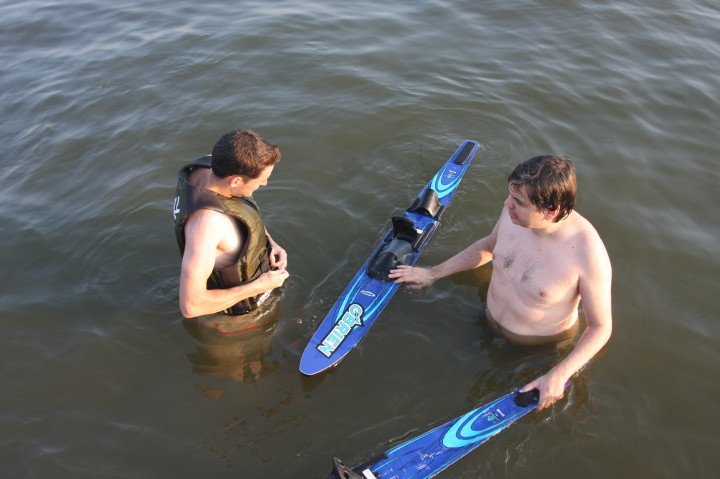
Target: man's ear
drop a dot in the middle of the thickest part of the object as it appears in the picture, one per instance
(237, 180)
(551, 214)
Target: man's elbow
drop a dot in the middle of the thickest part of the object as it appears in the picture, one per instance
(188, 309)
(608, 331)
(603, 332)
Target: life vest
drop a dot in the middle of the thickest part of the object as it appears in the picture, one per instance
(254, 256)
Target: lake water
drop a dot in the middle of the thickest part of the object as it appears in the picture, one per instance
(104, 101)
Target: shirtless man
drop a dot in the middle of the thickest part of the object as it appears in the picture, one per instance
(230, 262)
(546, 259)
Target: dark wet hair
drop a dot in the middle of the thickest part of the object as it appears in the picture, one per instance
(550, 183)
(244, 153)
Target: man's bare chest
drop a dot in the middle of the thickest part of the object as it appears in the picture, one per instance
(538, 270)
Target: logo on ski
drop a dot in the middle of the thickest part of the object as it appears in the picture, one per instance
(351, 319)
(176, 208)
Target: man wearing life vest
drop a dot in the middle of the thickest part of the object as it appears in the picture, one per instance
(230, 263)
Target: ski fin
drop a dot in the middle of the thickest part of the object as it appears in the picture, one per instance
(341, 471)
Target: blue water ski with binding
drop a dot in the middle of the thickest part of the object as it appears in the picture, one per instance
(370, 290)
(430, 453)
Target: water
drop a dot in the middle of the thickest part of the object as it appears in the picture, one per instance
(104, 102)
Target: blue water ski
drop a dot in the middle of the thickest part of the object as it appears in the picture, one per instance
(370, 291)
(428, 454)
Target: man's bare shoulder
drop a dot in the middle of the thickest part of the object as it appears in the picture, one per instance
(210, 230)
(583, 229)
(587, 241)
(206, 226)
(503, 220)
(205, 218)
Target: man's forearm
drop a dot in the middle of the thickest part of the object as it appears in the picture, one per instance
(211, 301)
(590, 343)
(472, 257)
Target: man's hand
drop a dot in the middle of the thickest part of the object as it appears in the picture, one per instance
(415, 277)
(278, 256)
(551, 389)
(272, 279)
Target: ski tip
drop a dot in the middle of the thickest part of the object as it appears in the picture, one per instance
(309, 370)
(305, 363)
(465, 152)
(313, 368)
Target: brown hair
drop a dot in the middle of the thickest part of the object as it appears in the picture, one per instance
(244, 153)
(550, 183)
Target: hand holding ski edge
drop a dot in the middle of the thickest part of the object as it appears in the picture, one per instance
(428, 454)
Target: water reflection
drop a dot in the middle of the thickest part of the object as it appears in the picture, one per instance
(514, 365)
(234, 347)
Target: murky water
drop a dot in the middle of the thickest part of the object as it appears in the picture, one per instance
(103, 102)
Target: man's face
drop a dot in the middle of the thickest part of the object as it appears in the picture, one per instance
(522, 212)
(245, 188)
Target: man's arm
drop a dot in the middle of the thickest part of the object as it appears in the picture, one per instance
(474, 256)
(595, 293)
(202, 240)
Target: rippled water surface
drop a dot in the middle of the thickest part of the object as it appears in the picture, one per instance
(104, 101)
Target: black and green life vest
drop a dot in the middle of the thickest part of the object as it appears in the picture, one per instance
(254, 257)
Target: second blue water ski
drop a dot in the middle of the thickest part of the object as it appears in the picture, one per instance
(428, 454)
(370, 290)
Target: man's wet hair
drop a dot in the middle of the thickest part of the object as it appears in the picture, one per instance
(244, 153)
(549, 181)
